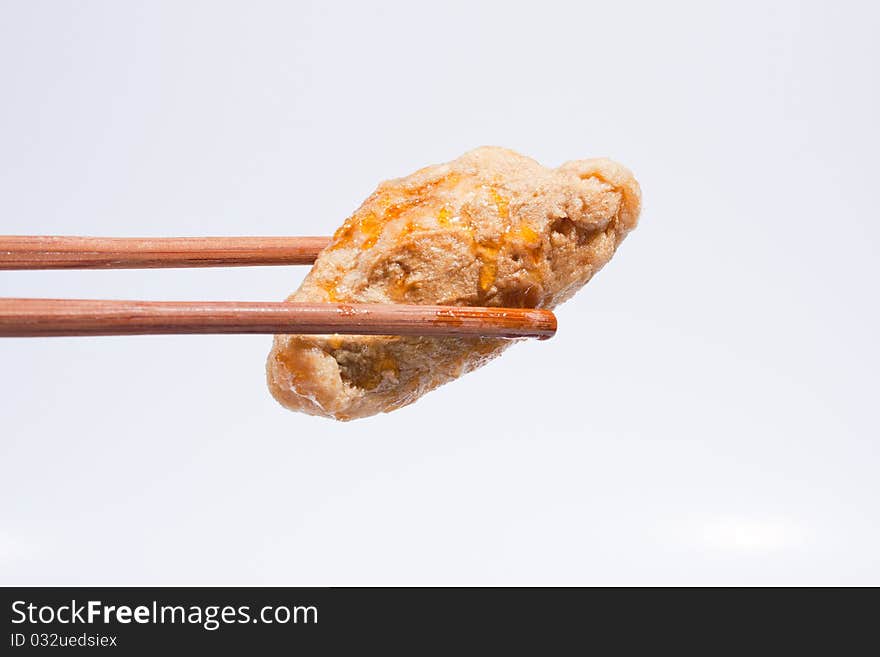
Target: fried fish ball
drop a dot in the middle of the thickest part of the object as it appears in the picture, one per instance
(491, 228)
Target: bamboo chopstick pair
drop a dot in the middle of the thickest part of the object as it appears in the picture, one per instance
(70, 317)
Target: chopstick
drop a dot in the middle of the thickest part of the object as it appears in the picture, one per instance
(74, 317)
(57, 252)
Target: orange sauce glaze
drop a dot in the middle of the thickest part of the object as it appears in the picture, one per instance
(367, 224)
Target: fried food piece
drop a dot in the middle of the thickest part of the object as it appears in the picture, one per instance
(492, 228)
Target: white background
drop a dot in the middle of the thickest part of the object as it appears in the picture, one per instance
(707, 413)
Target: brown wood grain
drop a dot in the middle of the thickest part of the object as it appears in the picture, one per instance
(57, 252)
(72, 317)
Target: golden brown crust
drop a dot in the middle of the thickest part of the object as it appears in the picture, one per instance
(492, 228)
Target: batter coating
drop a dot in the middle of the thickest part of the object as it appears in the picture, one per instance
(492, 228)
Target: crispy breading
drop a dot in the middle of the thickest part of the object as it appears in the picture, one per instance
(491, 228)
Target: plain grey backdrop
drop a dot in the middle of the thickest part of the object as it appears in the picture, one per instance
(707, 413)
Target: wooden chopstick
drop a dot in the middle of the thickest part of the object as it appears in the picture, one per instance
(72, 317)
(56, 252)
